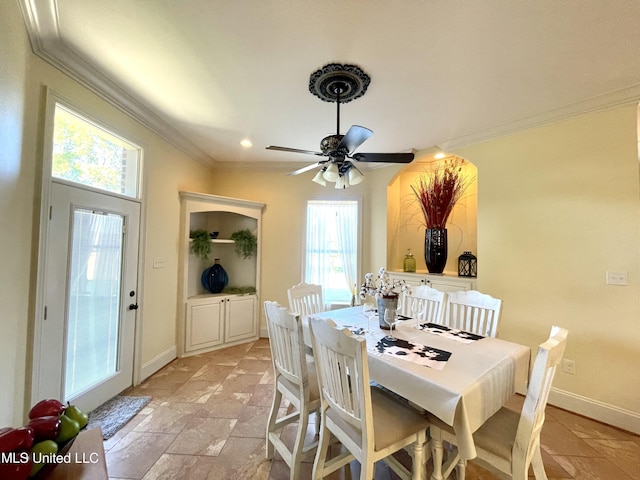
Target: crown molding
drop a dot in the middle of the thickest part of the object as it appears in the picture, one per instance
(41, 19)
(617, 98)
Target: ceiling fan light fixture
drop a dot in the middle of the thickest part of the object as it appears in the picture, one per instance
(319, 178)
(342, 182)
(331, 174)
(355, 176)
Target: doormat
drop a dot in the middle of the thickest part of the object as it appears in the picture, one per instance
(112, 415)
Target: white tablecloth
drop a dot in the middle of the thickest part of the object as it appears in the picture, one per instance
(475, 383)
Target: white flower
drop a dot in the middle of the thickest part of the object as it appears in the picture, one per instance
(381, 285)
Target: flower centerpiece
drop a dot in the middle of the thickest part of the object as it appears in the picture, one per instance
(381, 285)
(437, 193)
(386, 291)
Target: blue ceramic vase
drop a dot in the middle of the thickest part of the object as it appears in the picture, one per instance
(214, 278)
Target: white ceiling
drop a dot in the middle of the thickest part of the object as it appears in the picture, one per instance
(207, 73)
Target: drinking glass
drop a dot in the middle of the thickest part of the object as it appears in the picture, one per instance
(369, 310)
(390, 319)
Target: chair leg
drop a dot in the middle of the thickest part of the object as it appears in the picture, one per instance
(321, 454)
(537, 464)
(367, 469)
(298, 445)
(437, 452)
(461, 469)
(271, 424)
(418, 460)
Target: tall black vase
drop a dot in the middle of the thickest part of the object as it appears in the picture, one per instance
(435, 249)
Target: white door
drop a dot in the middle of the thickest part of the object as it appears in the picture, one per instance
(87, 346)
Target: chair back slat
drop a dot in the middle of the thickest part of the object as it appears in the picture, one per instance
(473, 312)
(306, 299)
(424, 303)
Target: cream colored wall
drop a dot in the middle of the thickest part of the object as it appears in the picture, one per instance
(167, 170)
(16, 222)
(283, 221)
(558, 206)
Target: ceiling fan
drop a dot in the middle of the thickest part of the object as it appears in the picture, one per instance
(341, 84)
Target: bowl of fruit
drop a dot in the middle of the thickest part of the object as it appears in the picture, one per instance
(33, 450)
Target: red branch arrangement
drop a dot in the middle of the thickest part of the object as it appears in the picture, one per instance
(439, 192)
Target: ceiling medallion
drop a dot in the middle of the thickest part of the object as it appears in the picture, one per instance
(334, 80)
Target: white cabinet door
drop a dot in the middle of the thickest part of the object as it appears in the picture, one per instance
(204, 323)
(241, 318)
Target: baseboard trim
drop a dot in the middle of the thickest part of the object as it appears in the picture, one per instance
(602, 412)
(264, 332)
(159, 361)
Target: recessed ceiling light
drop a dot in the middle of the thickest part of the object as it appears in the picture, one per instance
(439, 155)
(246, 143)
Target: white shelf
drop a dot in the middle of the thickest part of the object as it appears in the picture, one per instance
(217, 240)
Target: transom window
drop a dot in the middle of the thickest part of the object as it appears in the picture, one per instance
(331, 256)
(90, 155)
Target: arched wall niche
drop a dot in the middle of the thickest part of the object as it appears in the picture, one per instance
(405, 221)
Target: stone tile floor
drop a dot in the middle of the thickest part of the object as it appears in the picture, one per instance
(207, 418)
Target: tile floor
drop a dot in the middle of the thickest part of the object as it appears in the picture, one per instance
(208, 414)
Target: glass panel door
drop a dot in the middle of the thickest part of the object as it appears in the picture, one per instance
(94, 299)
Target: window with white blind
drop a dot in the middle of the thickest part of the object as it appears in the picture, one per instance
(332, 248)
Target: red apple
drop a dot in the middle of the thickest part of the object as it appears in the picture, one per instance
(45, 428)
(16, 439)
(19, 469)
(45, 408)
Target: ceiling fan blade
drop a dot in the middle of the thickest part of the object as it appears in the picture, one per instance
(384, 157)
(294, 150)
(305, 169)
(355, 137)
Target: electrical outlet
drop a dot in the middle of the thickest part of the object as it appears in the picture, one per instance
(158, 262)
(569, 366)
(617, 278)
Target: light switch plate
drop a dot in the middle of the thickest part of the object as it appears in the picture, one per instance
(617, 278)
(158, 262)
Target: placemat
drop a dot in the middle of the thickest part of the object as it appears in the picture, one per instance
(414, 352)
(452, 333)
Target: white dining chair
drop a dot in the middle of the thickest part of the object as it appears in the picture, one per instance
(295, 380)
(370, 423)
(423, 303)
(473, 312)
(306, 299)
(509, 441)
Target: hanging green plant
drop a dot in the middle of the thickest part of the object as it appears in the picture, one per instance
(200, 244)
(246, 243)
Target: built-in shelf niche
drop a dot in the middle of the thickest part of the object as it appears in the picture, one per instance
(405, 221)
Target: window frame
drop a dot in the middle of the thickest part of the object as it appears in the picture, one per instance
(359, 253)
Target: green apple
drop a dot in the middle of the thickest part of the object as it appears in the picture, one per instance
(39, 453)
(74, 412)
(69, 428)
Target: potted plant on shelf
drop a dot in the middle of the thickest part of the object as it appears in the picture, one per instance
(200, 244)
(246, 243)
(385, 290)
(437, 193)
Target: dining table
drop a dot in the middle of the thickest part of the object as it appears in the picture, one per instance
(461, 378)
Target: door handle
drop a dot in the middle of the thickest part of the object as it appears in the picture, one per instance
(133, 306)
